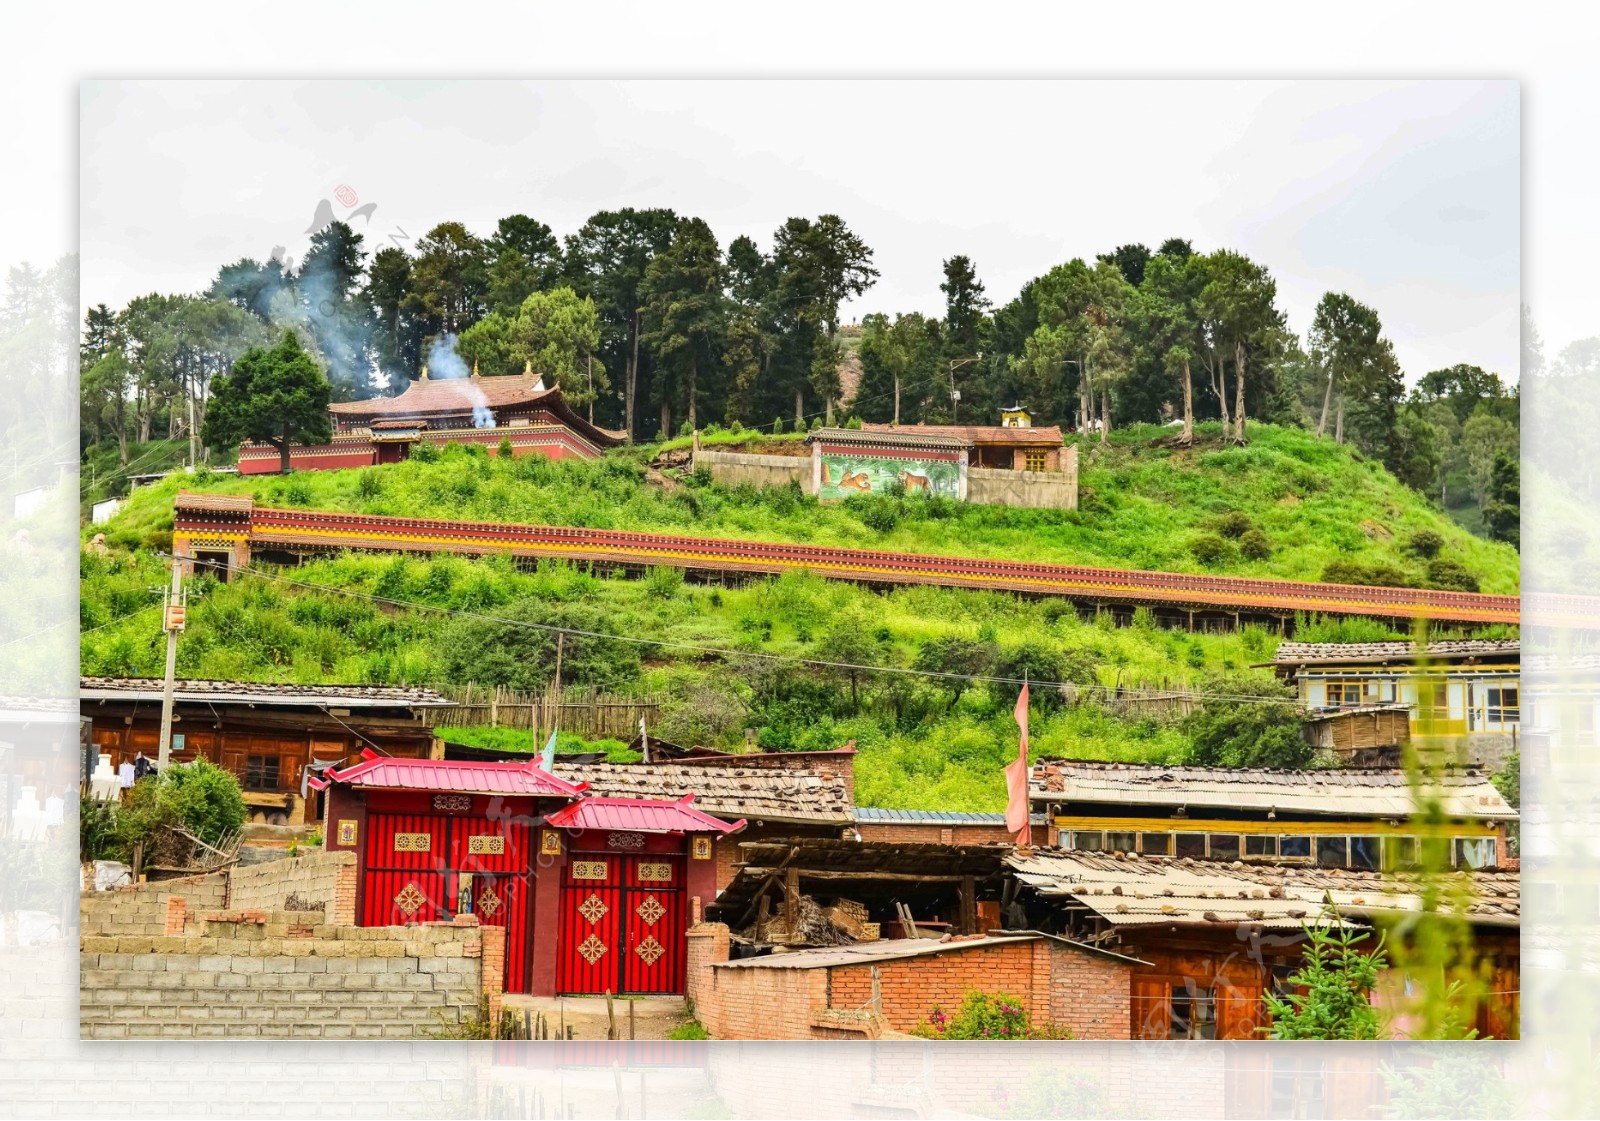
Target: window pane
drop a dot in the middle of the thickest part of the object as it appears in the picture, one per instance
(1257, 844)
(1399, 852)
(1155, 844)
(1474, 852)
(1225, 846)
(1189, 844)
(1119, 842)
(1294, 847)
(1332, 852)
(1364, 853)
(1089, 842)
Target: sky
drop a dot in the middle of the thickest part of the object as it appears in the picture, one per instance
(1405, 195)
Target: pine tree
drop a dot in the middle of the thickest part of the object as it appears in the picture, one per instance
(1338, 978)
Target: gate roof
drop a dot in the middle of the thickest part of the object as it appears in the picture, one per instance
(639, 815)
(518, 779)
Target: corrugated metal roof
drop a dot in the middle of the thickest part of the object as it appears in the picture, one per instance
(517, 779)
(880, 815)
(638, 815)
(1127, 889)
(1341, 792)
(866, 953)
(262, 693)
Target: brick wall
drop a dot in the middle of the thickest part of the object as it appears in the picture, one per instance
(142, 908)
(326, 878)
(1056, 983)
(285, 975)
(1090, 995)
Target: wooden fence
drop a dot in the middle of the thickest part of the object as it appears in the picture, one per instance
(584, 712)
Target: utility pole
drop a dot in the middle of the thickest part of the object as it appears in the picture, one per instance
(175, 599)
(955, 394)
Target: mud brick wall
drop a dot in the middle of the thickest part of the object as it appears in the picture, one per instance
(325, 878)
(286, 975)
(142, 908)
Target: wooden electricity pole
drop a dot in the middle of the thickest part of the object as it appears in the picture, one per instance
(172, 622)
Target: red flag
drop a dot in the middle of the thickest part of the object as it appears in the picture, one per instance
(1017, 773)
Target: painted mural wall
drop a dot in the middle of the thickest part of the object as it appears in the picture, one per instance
(847, 473)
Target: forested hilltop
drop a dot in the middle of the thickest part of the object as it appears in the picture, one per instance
(650, 323)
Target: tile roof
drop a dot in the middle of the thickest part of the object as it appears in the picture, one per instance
(638, 815)
(263, 693)
(452, 395)
(1296, 653)
(767, 794)
(231, 503)
(1345, 792)
(1132, 890)
(515, 779)
(988, 434)
(868, 953)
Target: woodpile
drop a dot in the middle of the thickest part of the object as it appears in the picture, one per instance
(840, 922)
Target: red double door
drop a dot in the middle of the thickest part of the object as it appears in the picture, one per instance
(430, 867)
(622, 924)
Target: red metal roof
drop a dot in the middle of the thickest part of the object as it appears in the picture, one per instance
(639, 815)
(517, 779)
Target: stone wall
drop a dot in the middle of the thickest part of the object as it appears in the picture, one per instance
(286, 975)
(734, 468)
(324, 881)
(1056, 490)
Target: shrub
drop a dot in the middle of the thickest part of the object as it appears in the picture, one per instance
(1451, 574)
(689, 1029)
(1338, 976)
(1249, 722)
(982, 1016)
(1209, 548)
(199, 797)
(1425, 544)
(1234, 524)
(505, 451)
(1369, 575)
(664, 581)
(369, 484)
(1255, 545)
(777, 426)
(423, 452)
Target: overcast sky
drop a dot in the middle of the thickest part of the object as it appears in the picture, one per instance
(1404, 195)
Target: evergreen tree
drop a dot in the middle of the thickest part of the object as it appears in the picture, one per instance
(1503, 511)
(685, 315)
(277, 397)
(1338, 977)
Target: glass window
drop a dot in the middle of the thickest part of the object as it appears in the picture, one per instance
(1333, 852)
(261, 772)
(1194, 1012)
(1120, 842)
(1435, 851)
(1474, 852)
(1155, 844)
(1224, 846)
(1036, 460)
(1399, 852)
(1260, 844)
(1502, 708)
(1294, 848)
(1364, 853)
(1087, 841)
(1189, 844)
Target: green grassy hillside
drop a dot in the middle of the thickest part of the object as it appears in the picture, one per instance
(1286, 505)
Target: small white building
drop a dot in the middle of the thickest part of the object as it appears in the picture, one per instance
(102, 512)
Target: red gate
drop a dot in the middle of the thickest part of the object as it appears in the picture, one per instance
(622, 924)
(424, 867)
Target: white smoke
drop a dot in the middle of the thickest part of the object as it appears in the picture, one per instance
(445, 364)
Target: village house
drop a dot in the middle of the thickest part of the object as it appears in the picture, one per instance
(475, 410)
(1360, 819)
(272, 737)
(1464, 690)
(1213, 937)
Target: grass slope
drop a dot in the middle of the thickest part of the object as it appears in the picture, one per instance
(1143, 506)
(922, 745)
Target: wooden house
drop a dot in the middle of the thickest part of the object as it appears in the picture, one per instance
(271, 737)
(1465, 691)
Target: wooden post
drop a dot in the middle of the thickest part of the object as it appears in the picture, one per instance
(611, 1017)
(969, 906)
(630, 1018)
(791, 900)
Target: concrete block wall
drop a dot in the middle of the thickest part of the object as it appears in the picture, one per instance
(286, 975)
(142, 908)
(1056, 490)
(325, 878)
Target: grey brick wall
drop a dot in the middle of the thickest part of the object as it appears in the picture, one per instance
(287, 976)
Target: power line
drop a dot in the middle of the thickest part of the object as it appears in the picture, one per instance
(721, 651)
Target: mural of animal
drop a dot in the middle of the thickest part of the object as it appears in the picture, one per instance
(856, 480)
(916, 482)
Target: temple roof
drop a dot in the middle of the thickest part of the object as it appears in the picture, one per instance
(435, 397)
